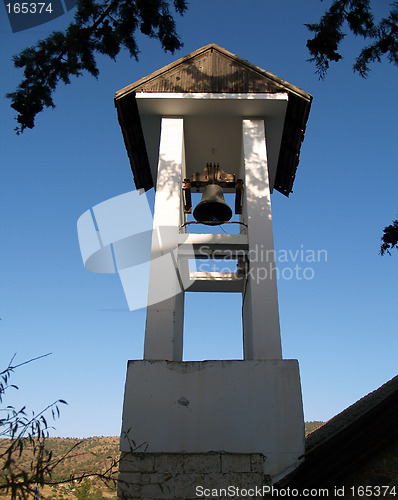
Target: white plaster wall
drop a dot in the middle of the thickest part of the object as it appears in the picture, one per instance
(233, 406)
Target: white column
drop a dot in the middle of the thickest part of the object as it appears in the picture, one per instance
(165, 311)
(261, 331)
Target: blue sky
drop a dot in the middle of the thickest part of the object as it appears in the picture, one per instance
(340, 325)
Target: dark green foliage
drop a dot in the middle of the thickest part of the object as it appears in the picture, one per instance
(107, 26)
(389, 238)
(98, 27)
(355, 16)
(83, 491)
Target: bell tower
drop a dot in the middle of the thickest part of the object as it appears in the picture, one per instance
(211, 123)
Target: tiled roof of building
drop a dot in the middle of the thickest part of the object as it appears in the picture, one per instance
(347, 440)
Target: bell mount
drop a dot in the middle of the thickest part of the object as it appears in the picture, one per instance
(212, 174)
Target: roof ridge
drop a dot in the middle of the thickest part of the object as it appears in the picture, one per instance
(352, 413)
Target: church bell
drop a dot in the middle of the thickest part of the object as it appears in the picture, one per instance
(212, 209)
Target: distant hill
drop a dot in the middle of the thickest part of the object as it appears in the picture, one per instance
(312, 426)
(89, 456)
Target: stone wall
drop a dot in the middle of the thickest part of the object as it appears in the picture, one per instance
(381, 470)
(149, 476)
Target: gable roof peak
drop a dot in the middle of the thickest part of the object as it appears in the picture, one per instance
(212, 69)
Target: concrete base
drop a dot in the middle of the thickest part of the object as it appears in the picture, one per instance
(216, 406)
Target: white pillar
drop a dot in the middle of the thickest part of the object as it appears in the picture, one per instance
(261, 331)
(165, 318)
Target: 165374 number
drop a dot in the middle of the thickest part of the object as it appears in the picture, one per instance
(29, 8)
(374, 491)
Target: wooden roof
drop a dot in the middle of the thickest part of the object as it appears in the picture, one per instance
(348, 440)
(212, 69)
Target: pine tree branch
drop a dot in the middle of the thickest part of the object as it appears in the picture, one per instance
(353, 16)
(389, 238)
(102, 28)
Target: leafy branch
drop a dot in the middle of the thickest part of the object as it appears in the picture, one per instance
(389, 238)
(26, 436)
(102, 27)
(357, 16)
(21, 431)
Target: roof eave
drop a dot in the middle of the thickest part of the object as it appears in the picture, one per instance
(333, 459)
(130, 123)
